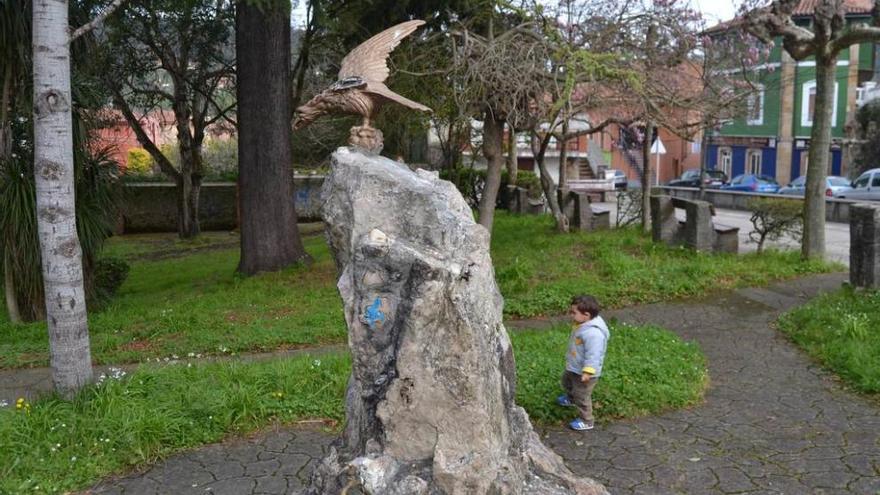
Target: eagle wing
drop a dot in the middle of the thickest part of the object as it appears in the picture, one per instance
(380, 89)
(368, 60)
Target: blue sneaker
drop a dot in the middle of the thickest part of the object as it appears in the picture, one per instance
(580, 425)
(564, 401)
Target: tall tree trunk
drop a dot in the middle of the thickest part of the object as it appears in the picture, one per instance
(646, 176)
(704, 160)
(512, 158)
(270, 238)
(493, 143)
(188, 190)
(69, 353)
(549, 187)
(563, 155)
(813, 244)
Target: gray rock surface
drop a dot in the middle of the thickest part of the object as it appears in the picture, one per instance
(430, 403)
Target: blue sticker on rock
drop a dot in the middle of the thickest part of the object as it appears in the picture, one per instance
(374, 314)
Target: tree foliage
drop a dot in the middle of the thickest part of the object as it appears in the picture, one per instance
(867, 155)
(173, 57)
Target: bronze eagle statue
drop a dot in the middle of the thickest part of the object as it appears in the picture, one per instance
(360, 88)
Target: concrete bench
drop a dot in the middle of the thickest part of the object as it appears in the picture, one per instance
(697, 231)
(864, 245)
(582, 215)
(518, 201)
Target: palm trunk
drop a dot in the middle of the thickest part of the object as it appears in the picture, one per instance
(270, 238)
(813, 244)
(69, 352)
(493, 142)
(5, 154)
(9, 290)
(646, 177)
(5, 125)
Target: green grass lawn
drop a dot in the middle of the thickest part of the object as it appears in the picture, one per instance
(842, 331)
(53, 446)
(183, 297)
(539, 270)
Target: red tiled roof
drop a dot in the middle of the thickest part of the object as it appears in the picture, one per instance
(806, 7)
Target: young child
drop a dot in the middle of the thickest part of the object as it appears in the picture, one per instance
(583, 363)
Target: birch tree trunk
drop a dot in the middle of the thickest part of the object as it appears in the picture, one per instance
(69, 353)
(493, 142)
(813, 244)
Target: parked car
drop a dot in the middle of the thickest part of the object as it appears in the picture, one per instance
(619, 177)
(752, 183)
(690, 178)
(866, 187)
(834, 186)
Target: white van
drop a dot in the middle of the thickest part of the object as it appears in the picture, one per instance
(866, 187)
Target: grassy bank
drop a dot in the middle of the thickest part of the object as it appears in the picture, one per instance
(842, 331)
(52, 446)
(183, 297)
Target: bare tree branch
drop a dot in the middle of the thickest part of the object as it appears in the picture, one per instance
(85, 28)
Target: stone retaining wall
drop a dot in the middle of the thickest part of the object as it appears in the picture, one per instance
(152, 207)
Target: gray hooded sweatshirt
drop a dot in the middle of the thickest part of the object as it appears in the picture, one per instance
(586, 347)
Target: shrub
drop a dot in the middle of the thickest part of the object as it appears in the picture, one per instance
(220, 157)
(139, 162)
(470, 183)
(108, 275)
(97, 201)
(774, 218)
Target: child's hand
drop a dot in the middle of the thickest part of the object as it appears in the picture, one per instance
(585, 377)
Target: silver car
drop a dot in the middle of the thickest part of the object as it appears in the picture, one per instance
(834, 186)
(866, 187)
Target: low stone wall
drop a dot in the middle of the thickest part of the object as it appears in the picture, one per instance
(836, 210)
(152, 207)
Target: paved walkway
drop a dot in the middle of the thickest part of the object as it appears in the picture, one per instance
(773, 422)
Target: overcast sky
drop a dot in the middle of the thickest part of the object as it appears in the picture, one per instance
(713, 10)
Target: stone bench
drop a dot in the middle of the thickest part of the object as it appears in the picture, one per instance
(864, 245)
(578, 207)
(519, 202)
(697, 231)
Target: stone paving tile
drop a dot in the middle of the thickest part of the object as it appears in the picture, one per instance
(772, 423)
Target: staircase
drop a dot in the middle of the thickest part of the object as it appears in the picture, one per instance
(584, 168)
(634, 159)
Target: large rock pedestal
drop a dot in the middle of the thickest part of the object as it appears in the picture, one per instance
(430, 403)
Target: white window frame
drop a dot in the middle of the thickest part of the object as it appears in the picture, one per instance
(754, 159)
(752, 99)
(725, 166)
(806, 118)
